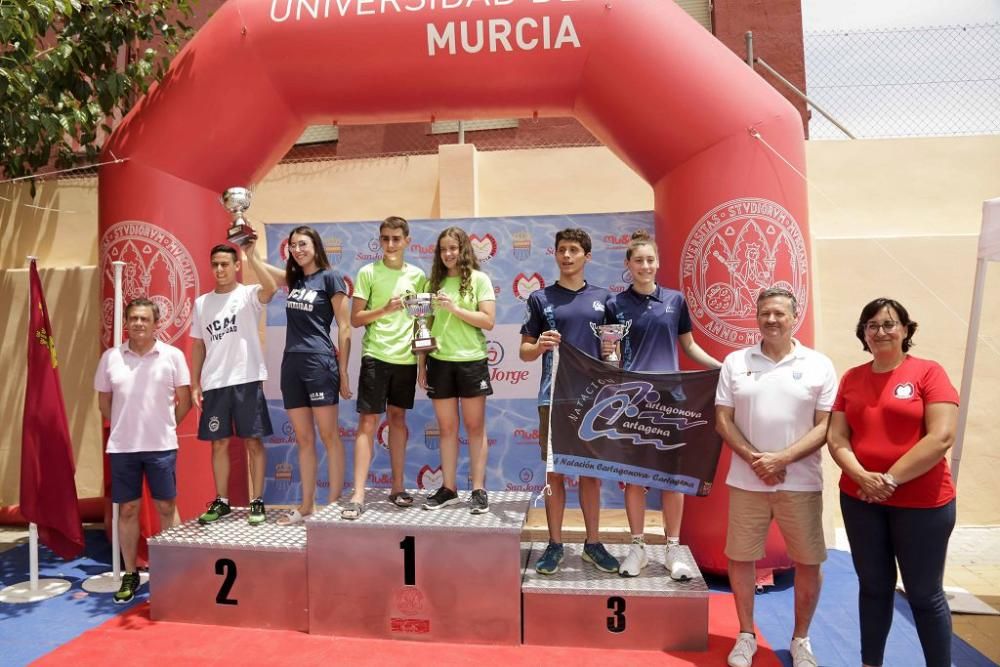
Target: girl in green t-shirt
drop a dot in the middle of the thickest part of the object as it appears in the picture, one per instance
(456, 373)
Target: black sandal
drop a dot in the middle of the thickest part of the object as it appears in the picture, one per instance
(401, 499)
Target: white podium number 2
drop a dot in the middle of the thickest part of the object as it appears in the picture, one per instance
(616, 621)
(227, 567)
(408, 545)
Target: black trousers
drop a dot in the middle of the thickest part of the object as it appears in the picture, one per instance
(917, 539)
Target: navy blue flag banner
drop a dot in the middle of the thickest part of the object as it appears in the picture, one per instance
(652, 429)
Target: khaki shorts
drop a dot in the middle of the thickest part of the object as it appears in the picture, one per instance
(799, 515)
(543, 430)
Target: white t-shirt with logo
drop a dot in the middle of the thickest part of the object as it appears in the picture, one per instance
(774, 405)
(227, 324)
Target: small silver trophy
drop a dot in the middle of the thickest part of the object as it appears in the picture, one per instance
(419, 307)
(236, 201)
(610, 333)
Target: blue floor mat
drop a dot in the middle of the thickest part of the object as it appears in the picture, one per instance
(29, 631)
(835, 635)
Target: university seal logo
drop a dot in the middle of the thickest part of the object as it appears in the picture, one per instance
(737, 250)
(157, 266)
(409, 600)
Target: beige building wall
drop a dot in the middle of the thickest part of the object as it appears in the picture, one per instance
(888, 217)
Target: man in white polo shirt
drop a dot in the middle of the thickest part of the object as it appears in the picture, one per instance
(772, 406)
(144, 391)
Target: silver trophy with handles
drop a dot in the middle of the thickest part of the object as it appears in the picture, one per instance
(237, 201)
(610, 333)
(419, 305)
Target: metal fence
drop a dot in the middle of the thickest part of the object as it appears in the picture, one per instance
(905, 82)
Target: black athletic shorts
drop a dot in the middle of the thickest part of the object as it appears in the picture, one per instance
(240, 409)
(457, 379)
(381, 383)
(310, 380)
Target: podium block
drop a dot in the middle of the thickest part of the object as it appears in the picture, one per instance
(581, 606)
(442, 575)
(230, 573)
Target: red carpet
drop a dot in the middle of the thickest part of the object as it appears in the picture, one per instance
(133, 639)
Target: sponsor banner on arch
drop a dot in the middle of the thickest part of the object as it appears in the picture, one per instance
(518, 254)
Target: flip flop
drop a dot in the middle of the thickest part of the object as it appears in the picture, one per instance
(292, 518)
(401, 499)
(352, 511)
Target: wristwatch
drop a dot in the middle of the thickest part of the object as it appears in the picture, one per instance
(890, 480)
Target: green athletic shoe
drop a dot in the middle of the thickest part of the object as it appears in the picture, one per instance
(216, 510)
(257, 513)
(130, 584)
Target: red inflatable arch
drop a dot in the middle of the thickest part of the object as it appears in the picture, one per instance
(668, 98)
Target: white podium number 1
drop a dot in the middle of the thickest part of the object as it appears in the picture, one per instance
(227, 567)
(408, 545)
(616, 621)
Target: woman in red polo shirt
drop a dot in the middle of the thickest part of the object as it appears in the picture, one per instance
(892, 424)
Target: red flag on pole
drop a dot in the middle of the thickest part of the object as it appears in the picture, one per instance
(48, 486)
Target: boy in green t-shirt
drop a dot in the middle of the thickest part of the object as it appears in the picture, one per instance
(388, 367)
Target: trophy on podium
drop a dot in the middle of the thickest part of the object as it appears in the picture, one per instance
(610, 333)
(418, 305)
(236, 201)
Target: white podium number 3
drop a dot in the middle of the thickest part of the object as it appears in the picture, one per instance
(227, 567)
(616, 621)
(408, 545)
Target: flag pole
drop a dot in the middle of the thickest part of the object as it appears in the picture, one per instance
(116, 563)
(35, 589)
(108, 582)
(33, 556)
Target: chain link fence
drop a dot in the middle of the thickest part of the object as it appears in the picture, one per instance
(907, 82)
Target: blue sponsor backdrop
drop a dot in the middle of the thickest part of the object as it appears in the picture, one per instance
(518, 256)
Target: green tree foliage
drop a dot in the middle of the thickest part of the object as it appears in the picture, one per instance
(67, 67)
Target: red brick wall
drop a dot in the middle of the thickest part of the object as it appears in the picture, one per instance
(777, 38)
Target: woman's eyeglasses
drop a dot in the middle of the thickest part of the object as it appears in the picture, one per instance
(888, 326)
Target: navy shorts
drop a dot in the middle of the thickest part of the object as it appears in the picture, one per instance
(240, 409)
(381, 383)
(127, 469)
(457, 379)
(310, 380)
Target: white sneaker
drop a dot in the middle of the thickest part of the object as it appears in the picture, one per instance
(802, 655)
(679, 570)
(635, 561)
(744, 650)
